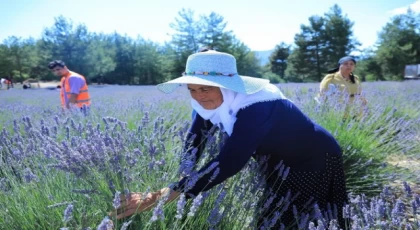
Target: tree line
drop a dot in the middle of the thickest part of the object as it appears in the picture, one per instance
(118, 59)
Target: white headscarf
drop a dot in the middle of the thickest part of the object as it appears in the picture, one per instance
(225, 115)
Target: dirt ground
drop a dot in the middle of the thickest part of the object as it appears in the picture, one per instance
(41, 85)
(412, 165)
(49, 84)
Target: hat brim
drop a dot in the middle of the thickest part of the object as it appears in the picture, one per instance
(236, 83)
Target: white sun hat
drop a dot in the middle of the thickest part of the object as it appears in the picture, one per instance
(217, 69)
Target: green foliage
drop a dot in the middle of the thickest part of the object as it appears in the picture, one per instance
(100, 58)
(399, 45)
(190, 34)
(18, 58)
(274, 78)
(369, 68)
(320, 45)
(278, 59)
(119, 59)
(370, 77)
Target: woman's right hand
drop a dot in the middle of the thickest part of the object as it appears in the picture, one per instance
(364, 101)
(135, 203)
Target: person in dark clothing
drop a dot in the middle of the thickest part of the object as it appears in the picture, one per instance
(260, 123)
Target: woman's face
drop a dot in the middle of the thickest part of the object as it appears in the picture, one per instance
(209, 97)
(347, 67)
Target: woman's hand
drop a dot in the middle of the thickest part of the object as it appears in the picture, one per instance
(364, 101)
(135, 202)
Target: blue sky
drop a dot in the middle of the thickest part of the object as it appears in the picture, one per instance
(259, 24)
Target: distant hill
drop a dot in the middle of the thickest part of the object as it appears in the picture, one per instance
(264, 56)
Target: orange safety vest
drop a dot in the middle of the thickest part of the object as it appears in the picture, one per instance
(83, 98)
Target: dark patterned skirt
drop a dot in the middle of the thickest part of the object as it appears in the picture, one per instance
(305, 196)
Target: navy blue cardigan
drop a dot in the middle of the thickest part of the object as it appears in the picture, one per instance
(277, 129)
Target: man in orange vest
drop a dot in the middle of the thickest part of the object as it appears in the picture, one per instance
(74, 89)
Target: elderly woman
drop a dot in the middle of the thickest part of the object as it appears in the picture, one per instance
(342, 79)
(260, 122)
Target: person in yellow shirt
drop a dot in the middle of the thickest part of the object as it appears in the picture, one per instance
(342, 81)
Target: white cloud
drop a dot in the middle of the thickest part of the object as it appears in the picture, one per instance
(402, 10)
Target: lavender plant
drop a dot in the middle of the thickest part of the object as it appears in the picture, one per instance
(62, 169)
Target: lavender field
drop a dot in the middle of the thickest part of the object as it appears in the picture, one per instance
(65, 170)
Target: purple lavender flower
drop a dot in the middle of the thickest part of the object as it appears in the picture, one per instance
(145, 193)
(346, 211)
(399, 208)
(281, 169)
(216, 172)
(196, 204)
(303, 221)
(29, 176)
(186, 167)
(295, 212)
(67, 132)
(321, 225)
(417, 199)
(158, 211)
(286, 172)
(153, 149)
(56, 119)
(105, 120)
(145, 118)
(329, 212)
(106, 224)
(215, 214)
(407, 188)
(277, 167)
(367, 163)
(180, 206)
(333, 225)
(397, 213)
(368, 218)
(137, 152)
(280, 202)
(311, 226)
(68, 212)
(274, 220)
(125, 225)
(384, 225)
(414, 207)
(318, 215)
(309, 202)
(269, 201)
(117, 200)
(209, 169)
(408, 226)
